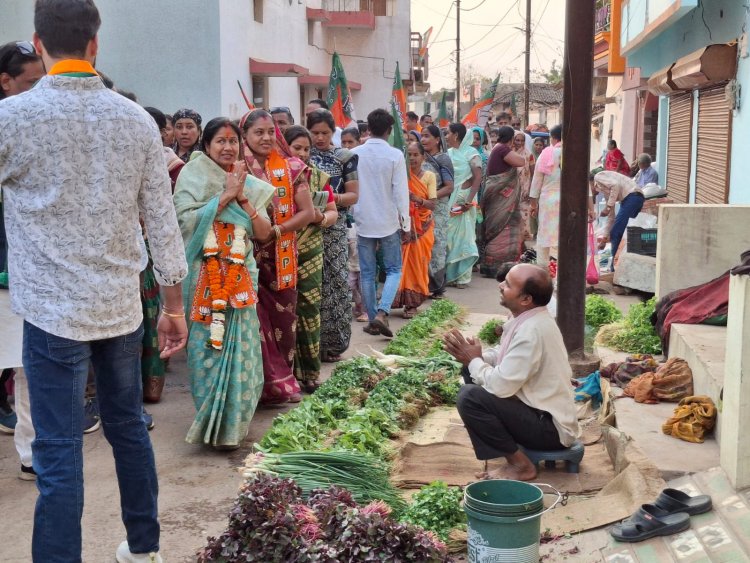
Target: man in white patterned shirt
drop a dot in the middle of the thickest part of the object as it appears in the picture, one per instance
(78, 165)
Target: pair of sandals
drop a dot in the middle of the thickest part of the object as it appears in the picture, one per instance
(669, 514)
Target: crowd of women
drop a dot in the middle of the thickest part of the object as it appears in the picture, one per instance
(265, 215)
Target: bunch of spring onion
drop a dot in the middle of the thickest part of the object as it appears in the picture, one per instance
(365, 476)
(430, 364)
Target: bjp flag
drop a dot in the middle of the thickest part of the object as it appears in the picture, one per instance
(398, 95)
(339, 96)
(480, 113)
(442, 117)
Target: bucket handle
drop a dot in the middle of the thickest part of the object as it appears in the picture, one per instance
(554, 504)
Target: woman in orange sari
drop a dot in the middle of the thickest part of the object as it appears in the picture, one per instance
(268, 158)
(416, 249)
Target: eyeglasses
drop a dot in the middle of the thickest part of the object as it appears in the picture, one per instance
(24, 48)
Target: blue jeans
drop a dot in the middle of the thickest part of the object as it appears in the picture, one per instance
(56, 370)
(391, 247)
(630, 207)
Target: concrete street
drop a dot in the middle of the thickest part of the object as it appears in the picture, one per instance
(197, 484)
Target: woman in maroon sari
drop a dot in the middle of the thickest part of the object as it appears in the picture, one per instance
(268, 158)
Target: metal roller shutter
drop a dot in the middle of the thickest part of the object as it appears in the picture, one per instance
(679, 145)
(714, 144)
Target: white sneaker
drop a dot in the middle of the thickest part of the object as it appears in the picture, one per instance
(123, 555)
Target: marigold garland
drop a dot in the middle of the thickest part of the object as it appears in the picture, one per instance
(222, 286)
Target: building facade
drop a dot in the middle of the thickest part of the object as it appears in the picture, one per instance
(679, 95)
(193, 53)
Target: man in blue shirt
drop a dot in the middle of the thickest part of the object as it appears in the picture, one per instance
(647, 174)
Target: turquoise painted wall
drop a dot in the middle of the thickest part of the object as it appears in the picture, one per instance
(724, 22)
(724, 19)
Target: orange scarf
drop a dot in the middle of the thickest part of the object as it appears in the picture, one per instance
(73, 66)
(280, 175)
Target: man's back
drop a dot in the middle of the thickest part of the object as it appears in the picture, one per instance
(383, 189)
(78, 164)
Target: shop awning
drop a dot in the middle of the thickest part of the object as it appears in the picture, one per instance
(660, 83)
(264, 68)
(322, 80)
(709, 65)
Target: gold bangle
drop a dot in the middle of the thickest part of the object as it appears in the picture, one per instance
(173, 315)
(323, 222)
(254, 215)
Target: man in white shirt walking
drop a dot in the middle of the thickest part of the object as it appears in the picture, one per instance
(381, 214)
(75, 253)
(518, 393)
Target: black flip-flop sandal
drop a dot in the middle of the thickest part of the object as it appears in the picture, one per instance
(382, 328)
(648, 522)
(674, 500)
(371, 329)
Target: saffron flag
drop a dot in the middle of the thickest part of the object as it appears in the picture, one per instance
(442, 117)
(250, 105)
(399, 94)
(480, 113)
(339, 96)
(425, 40)
(396, 138)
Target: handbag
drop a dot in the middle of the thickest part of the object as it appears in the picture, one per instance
(592, 271)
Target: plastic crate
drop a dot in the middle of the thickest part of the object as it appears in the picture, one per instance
(642, 241)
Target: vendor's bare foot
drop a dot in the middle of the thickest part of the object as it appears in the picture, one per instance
(512, 472)
(518, 468)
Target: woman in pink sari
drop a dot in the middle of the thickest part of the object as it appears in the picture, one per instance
(545, 196)
(268, 158)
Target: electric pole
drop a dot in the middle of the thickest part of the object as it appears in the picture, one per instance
(528, 62)
(457, 112)
(577, 81)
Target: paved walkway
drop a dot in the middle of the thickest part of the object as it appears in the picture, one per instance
(719, 536)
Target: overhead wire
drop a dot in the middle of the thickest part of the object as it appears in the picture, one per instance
(474, 8)
(493, 27)
(445, 19)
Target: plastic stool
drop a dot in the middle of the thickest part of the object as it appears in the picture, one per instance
(572, 457)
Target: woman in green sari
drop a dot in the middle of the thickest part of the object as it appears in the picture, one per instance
(220, 208)
(462, 239)
(310, 263)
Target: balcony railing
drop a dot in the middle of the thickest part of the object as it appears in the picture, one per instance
(603, 16)
(376, 7)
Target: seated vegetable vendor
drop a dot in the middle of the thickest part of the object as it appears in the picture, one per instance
(519, 392)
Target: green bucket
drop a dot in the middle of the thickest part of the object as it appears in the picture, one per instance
(504, 520)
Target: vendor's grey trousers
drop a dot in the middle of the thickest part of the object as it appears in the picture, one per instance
(498, 426)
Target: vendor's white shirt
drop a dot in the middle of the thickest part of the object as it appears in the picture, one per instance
(536, 370)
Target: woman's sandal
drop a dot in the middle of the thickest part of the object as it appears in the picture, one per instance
(330, 358)
(674, 500)
(310, 386)
(409, 313)
(649, 521)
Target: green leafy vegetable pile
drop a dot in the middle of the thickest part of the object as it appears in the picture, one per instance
(488, 332)
(273, 521)
(437, 507)
(600, 311)
(419, 337)
(341, 435)
(636, 334)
